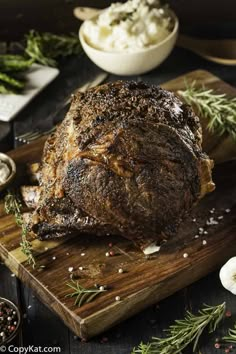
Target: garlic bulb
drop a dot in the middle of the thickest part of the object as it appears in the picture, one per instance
(228, 275)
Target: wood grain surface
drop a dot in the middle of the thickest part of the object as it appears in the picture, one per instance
(144, 281)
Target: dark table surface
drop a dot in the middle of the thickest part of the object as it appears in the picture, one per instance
(40, 326)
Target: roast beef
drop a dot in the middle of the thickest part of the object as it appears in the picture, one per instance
(126, 160)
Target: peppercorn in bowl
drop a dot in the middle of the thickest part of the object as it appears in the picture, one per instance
(10, 321)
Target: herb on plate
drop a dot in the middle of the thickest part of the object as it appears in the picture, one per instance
(9, 84)
(10, 68)
(14, 63)
(219, 109)
(13, 206)
(82, 294)
(42, 48)
(45, 48)
(184, 332)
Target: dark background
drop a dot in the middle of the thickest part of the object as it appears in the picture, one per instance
(206, 18)
(212, 17)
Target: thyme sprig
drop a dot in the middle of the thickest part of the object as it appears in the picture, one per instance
(218, 109)
(13, 206)
(231, 337)
(82, 294)
(184, 332)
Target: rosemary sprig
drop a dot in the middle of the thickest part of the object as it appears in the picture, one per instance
(183, 332)
(13, 206)
(11, 81)
(231, 337)
(82, 294)
(14, 63)
(219, 109)
(44, 48)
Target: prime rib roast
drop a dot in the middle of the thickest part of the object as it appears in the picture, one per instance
(126, 160)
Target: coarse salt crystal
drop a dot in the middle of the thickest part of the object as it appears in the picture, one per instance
(220, 217)
(185, 255)
(70, 269)
(107, 254)
(211, 221)
(82, 254)
(204, 242)
(54, 258)
(194, 220)
(227, 210)
(196, 236)
(81, 268)
(46, 248)
(205, 232)
(117, 298)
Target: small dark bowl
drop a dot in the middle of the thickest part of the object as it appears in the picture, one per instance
(15, 333)
(12, 166)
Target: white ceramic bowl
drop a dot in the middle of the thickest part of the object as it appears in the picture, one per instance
(135, 63)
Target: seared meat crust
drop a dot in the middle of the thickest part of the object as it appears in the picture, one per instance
(126, 160)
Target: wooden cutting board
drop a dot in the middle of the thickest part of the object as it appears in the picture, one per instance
(144, 281)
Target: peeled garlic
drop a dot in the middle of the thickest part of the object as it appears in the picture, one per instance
(152, 248)
(228, 275)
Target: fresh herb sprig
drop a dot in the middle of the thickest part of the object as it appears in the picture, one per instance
(231, 337)
(45, 48)
(10, 68)
(11, 83)
(218, 109)
(184, 332)
(82, 294)
(14, 63)
(13, 206)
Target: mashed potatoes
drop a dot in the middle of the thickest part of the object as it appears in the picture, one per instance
(129, 27)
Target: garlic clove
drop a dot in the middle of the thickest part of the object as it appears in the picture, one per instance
(228, 275)
(153, 248)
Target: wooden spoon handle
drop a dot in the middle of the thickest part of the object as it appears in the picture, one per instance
(219, 51)
(85, 13)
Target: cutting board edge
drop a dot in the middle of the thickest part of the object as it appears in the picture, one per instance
(99, 321)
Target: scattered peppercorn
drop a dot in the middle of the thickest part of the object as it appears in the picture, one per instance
(228, 314)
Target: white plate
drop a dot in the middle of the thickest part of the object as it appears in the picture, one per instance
(37, 78)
